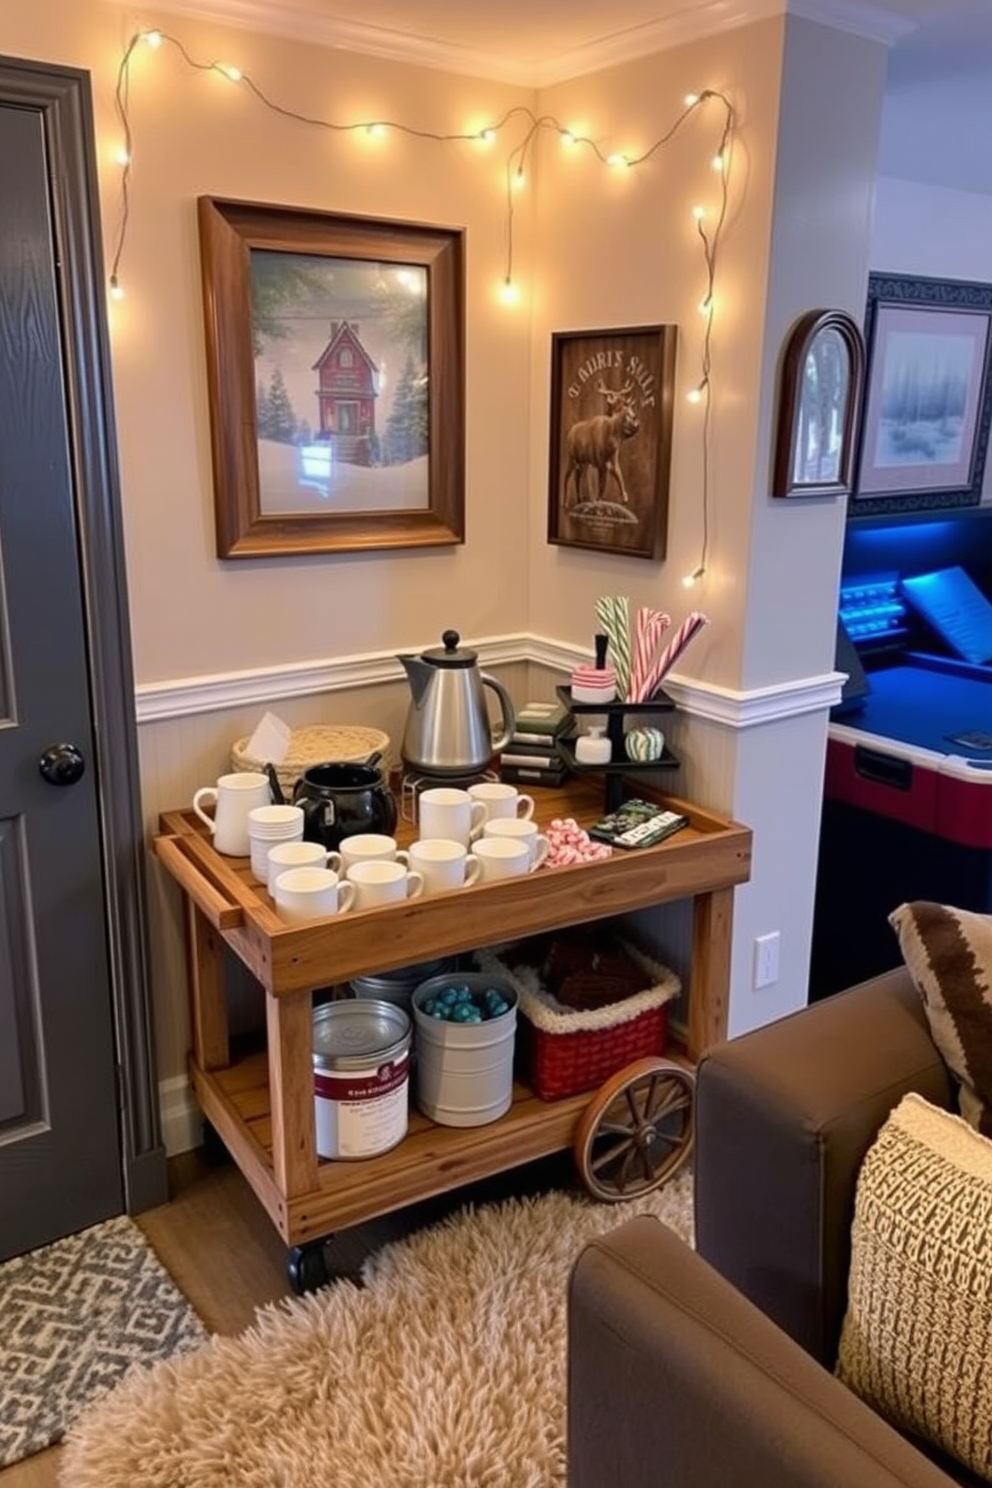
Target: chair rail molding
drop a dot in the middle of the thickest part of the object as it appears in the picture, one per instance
(157, 701)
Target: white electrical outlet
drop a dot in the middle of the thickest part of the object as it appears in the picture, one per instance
(766, 948)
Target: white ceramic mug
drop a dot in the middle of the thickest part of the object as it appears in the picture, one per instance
(449, 813)
(232, 798)
(499, 857)
(502, 801)
(311, 893)
(444, 863)
(384, 882)
(512, 829)
(282, 856)
(370, 847)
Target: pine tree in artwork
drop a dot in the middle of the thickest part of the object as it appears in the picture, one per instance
(276, 419)
(406, 427)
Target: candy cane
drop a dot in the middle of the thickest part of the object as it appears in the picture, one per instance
(650, 626)
(613, 613)
(687, 631)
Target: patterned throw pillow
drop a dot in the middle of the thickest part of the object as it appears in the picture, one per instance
(948, 953)
(917, 1336)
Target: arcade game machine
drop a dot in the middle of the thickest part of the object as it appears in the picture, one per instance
(907, 810)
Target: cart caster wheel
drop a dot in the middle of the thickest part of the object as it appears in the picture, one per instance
(637, 1130)
(306, 1267)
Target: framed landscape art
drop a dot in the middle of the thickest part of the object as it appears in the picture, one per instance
(335, 371)
(928, 398)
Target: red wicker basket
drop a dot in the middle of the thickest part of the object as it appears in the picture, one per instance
(563, 1050)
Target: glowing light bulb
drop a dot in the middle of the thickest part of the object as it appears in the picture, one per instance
(519, 180)
(508, 292)
(375, 131)
(694, 395)
(116, 292)
(693, 578)
(232, 73)
(718, 162)
(706, 305)
(567, 137)
(152, 38)
(691, 99)
(619, 162)
(487, 136)
(121, 157)
(698, 213)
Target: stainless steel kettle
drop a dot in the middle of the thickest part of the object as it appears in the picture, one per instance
(447, 726)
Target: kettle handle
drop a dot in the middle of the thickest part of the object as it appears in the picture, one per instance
(509, 718)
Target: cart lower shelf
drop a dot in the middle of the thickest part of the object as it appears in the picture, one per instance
(431, 1159)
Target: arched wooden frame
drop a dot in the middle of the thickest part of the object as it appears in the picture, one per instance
(819, 401)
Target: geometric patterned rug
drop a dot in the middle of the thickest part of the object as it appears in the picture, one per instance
(74, 1317)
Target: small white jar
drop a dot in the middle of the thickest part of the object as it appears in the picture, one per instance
(593, 748)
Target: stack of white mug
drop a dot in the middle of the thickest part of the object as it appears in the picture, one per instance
(475, 835)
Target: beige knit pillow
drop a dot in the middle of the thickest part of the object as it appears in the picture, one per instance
(917, 1337)
(948, 953)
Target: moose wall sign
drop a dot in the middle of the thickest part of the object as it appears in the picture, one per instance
(612, 395)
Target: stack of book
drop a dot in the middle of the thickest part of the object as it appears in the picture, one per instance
(530, 758)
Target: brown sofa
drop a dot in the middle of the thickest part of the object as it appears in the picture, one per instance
(712, 1368)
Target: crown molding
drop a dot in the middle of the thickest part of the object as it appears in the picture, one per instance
(692, 23)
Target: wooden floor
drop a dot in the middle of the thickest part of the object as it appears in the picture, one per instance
(223, 1252)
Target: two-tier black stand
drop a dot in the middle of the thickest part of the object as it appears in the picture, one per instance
(619, 765)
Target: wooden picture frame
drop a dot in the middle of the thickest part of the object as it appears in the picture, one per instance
(820, 387)
(612, 399)
(928, 395)
(335, 369)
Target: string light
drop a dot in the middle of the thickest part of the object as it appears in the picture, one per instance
(515, 176)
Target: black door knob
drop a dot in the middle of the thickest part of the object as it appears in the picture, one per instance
(61, 764)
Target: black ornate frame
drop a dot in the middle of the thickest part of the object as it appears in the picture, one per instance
(929, 296)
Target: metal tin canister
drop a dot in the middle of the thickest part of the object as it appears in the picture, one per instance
(361, 1068)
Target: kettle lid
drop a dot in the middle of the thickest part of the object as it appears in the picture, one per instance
(451, 654)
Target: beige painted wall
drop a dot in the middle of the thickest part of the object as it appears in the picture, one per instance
(625, 250)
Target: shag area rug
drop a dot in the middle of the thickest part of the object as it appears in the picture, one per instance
(74, 1317)
(445, 1370)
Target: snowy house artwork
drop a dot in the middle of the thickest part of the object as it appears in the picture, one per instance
(347, 387)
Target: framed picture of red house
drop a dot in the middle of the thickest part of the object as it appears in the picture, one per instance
(335, 369)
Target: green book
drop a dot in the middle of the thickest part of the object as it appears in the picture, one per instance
(541, 718)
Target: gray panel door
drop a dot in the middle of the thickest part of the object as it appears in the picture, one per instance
(60, 1145)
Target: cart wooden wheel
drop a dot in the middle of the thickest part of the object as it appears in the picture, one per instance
(637, 1130)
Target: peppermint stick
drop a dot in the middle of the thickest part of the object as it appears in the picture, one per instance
(687, 631)
(613, 613)
(649, 628)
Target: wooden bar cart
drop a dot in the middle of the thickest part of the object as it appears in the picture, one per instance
(259, 1099)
